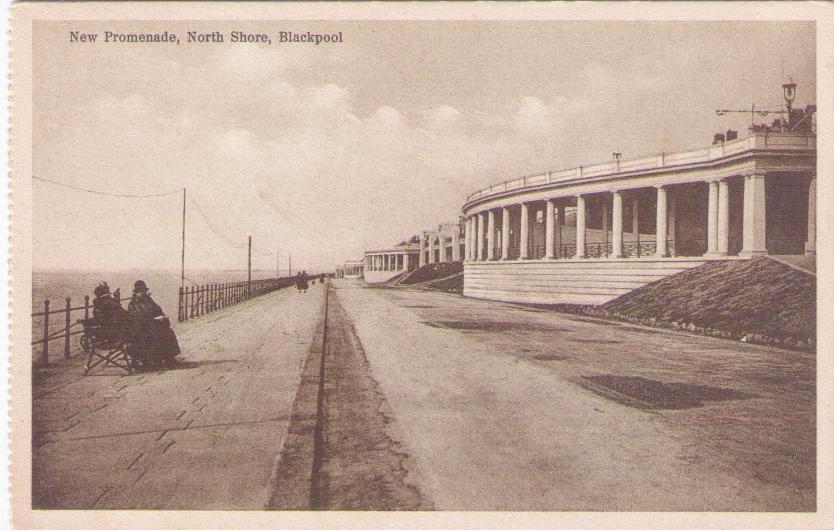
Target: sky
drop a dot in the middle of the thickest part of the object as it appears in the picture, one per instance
(325, 151)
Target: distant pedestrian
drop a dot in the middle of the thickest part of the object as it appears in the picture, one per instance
(304, 285)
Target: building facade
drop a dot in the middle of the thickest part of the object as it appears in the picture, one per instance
(381, 265)
(442, 245)
(351, 269)
(589, 234)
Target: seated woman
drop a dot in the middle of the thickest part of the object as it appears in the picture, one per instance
(154, 340)
(108, 311)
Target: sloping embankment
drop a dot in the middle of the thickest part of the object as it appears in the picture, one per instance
(443, 276)
(434, 272)
(757, 301)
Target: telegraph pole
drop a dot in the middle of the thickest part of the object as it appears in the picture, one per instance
(182, 271)
(277, 264)
(249, 278)
(289, 268)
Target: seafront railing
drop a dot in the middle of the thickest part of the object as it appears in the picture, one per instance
(57, 326)
(198, 300)
(43, 321)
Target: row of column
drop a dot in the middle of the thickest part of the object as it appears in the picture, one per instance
(351, 270)
(481, 226)
(442, 249)
(381, 262)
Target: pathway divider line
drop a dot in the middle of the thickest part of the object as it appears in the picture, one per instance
(293, 484)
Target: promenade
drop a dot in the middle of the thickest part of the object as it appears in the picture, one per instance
(202, 436)
(431, 401)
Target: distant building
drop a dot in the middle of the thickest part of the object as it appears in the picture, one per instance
(385, 263)
(351, 269)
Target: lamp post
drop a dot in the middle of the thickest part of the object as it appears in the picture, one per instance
(789, 92)
(617, 156)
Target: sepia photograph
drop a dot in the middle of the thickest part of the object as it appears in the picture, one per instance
(299, 260)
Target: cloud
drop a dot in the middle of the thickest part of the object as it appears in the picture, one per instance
(442, 116)
(296, 166)
(534, 116)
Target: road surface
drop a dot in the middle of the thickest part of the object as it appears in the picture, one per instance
(503, 407)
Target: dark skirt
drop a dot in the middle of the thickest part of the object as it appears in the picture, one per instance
(155, 342)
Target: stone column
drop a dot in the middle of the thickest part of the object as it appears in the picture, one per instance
(466, 234)
(811, 243)
(559, 219)
(505, 233)
(723, 218)
(617, 225)
(456, 244)
(469, 239)
(473, 240)
(635, 216)
(712, 219)
(605, 223)
(422, 257)
(433, 248)
(442, 239)
(549, 228)
(480, 236)
(524, 236)
(491, 235)
(661, 224)
(755, 238)
(580, 227)
(406, 257)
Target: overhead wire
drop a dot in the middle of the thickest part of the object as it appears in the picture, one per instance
(102, 193)
(200, 211)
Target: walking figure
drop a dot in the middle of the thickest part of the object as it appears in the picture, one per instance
(301, 281)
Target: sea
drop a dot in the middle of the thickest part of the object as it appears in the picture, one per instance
(58, 285)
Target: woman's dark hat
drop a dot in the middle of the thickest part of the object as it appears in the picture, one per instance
(139, 285)
(102, 289)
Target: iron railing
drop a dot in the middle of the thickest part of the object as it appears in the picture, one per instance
(661, 160)
(193, 301)
(692, 247)
(42, 321)
(198, 300)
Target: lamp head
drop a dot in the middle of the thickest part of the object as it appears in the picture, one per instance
(789, 92)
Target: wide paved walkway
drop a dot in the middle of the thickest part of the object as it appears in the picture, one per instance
(205, 435)
(502, 407)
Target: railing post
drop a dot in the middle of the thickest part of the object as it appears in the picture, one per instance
(179, 304)
(45, 352)
(67, 329)
(86, 307)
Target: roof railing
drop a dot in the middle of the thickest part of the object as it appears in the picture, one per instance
(652, 162)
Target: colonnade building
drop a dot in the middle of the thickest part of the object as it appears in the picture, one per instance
(589, 234)
(351, 269)
(385, 263)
